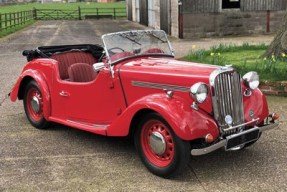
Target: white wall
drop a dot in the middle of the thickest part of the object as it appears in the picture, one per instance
(151, 13)
(174, 18)
(154, 14)
(137, 11)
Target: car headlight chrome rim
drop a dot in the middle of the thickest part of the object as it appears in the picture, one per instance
(199, 92)
(251, 79)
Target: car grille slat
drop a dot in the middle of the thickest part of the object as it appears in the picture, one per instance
(227, 99)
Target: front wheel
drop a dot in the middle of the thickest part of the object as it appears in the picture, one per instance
(161, 151)
(33, 105)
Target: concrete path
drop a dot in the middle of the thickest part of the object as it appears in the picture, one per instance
(64, 159)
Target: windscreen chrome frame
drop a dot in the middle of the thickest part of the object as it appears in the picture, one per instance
(110, 64)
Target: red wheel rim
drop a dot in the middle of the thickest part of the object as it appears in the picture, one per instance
(167, 156)
(34, 94)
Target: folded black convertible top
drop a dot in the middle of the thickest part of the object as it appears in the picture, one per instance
(46, 51)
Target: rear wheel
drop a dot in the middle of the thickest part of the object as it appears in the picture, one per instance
(33, 105)
(161, 151)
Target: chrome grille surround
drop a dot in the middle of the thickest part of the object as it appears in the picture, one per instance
(226, 93)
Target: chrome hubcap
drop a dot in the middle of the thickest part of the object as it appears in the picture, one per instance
(157, 143)
(35, 104)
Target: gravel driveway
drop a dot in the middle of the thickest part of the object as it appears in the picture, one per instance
(65, 159)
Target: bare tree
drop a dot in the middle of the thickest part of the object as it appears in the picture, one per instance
(279, 43)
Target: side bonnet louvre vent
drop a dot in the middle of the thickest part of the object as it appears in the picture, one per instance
(227, 99)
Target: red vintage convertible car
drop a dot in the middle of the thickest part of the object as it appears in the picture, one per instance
(133, 86)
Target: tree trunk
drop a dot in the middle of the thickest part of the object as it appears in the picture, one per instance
(279, 43)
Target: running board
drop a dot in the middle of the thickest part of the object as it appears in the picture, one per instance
(100, 129)
(97, 126)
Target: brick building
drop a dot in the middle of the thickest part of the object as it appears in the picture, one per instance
(203, 18)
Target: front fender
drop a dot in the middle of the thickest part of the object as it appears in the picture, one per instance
(256, 104)
(18, 90)
(187, 123)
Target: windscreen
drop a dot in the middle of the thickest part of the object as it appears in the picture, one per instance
(132, 43)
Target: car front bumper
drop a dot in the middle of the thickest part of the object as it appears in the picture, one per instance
(236, 140)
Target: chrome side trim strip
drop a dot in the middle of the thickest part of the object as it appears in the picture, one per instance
(160, 86)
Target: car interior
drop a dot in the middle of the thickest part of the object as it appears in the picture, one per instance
(75, 62)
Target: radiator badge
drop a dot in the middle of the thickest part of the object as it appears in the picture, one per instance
(251, 113)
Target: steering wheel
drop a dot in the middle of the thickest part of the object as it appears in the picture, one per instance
(115, 48)
(102, 56)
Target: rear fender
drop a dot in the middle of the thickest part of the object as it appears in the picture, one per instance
(187, 123)
(18, 90)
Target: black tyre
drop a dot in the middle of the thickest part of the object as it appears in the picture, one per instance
(33, 105)
(161, 151)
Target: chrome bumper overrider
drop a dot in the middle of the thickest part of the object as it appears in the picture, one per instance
(224, 142)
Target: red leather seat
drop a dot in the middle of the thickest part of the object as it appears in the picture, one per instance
(81, 72)
(120, 55)
(153, 50)
(68, 58)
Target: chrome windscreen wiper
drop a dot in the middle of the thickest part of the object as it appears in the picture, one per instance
(127, 37)
(153, 35)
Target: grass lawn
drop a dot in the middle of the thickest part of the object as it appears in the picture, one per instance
(244, 58)
(64, 6)
(4, 33)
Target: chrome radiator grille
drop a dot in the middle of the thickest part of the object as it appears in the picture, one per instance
(226, 95)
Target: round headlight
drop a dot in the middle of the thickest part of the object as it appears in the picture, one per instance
(251, 79)
(199, 92)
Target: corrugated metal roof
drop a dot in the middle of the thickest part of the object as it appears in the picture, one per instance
(262, 5)
(208, 6)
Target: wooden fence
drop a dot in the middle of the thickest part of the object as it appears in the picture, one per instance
(102, 12)
(12, 20)
(80, 13)
(56, 14)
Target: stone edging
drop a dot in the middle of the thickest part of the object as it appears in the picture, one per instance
(278, 88)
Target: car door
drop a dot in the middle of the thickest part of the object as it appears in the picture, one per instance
(96, 102)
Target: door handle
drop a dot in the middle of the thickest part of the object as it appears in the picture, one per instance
(64, 94)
